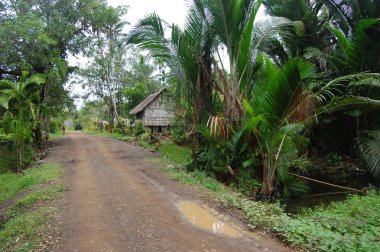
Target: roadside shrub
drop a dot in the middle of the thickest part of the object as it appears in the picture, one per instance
(117, 127)
(29, 154)
(246, 183)
(54, 126)
(139, 128)
(178, 130)
(145, 137)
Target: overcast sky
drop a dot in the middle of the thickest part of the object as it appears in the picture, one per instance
(172, 11)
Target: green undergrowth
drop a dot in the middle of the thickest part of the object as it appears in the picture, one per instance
(13, 183)
(7, 159)
(27, 218)
(351, 225)
(8, 156)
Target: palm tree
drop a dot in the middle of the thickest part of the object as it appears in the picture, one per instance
(21, 101)
(285, 102)
(347, 13)
(234, 26)
(188, 56)
(193, 55)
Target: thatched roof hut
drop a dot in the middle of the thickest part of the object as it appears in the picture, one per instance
(154, 111)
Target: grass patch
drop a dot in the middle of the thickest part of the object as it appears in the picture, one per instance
(108, 134)
(193, 178)
(54, 136)
(25, 231)
(27, 218)
(175, 153)
(24, 203)
(13, 183)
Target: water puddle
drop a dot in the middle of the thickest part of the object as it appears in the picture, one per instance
(203, 218)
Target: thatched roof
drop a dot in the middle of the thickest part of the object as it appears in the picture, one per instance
(142, 105)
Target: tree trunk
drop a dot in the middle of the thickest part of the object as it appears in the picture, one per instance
(268, 177)
(19, 157)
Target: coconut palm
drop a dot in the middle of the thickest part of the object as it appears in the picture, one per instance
(21, 101)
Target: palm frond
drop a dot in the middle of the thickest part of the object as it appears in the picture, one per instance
(337, 85)
(285, 90)
(349, 102)
(370, 152)
(369, 82)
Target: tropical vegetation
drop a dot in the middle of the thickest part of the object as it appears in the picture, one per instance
(269, 105)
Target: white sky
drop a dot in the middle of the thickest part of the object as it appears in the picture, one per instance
(172, 11)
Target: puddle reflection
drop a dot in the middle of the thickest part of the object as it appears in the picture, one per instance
(204, 219)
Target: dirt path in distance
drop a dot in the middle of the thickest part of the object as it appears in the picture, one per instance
(119, 200)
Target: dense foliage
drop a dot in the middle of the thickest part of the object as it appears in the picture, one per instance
(36, 39)
(257, 100)
(266, 107)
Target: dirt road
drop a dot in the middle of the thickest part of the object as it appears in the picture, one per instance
(118, 200)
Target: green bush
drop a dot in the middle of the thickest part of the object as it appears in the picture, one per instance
(117, 127)
(178, 130)
(246, 183)
(145, 137)
(54, 126)
(29, 154)
(139, 128)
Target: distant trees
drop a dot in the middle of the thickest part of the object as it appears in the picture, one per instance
(37, 37)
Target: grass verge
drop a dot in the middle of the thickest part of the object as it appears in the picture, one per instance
(27, 201)
(177, 154)
(25, 232)
(13, 183)
(108, 134)
(54, 136)
(26, 220)
(351, 225)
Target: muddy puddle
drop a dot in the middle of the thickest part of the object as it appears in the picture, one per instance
(205, 219)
